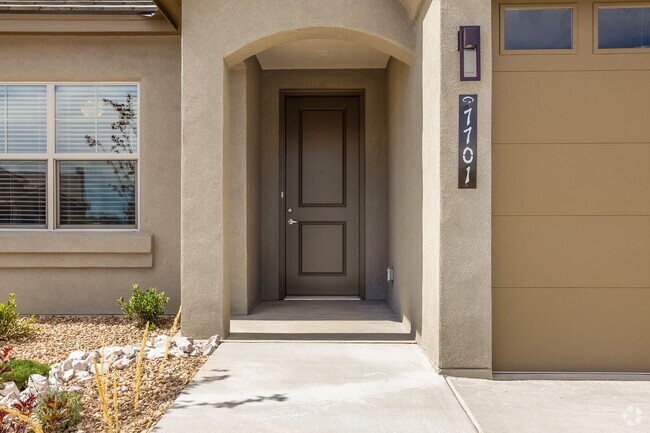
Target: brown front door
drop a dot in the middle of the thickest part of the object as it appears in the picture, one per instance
(322, 186)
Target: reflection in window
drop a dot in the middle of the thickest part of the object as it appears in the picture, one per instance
(90, 115)
(23, 195)
(23, 119)
(624, 27)
(538, 29)
(97, 193)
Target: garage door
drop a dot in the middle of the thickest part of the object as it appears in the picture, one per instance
(571, 186)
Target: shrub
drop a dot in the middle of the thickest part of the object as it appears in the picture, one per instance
(11, 325)
(9, 424)
(5, 366)
(58, 410)
(21, 369)
(144, 307)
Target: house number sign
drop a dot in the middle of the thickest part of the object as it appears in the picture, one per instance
(467, 132)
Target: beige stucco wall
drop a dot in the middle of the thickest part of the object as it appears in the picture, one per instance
(219, 36)
(242, 202)
(85, 272)
(405, 192)
(373, 82)
(458, 265)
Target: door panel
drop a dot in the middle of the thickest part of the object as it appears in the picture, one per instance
(322, 162)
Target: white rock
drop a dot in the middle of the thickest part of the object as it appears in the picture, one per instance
(129, 351)
(178, 353)
(83, 376)
(160, 341)
(194, 352)
(9, 400)
(123, 363)
(184, 344)
(92, 356)
(78, 354)
(68, 375)
(156, 353)
(112, 352)
(124, 388)
(80, 365)
(208, 349)
(214, 341)
(9, 388)
(37, 383)
(67, 364)
(74, 388)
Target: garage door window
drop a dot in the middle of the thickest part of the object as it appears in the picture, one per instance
(538, 29)
(623, 27)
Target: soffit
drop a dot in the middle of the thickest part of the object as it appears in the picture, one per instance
(90, 16)
(322, 54)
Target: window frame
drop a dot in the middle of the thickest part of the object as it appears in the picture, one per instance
(613, 5)
(538, 6)
(53, 158)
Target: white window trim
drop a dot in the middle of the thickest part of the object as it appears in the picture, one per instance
(52, 158)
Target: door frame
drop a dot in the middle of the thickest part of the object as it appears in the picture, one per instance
(319, 93)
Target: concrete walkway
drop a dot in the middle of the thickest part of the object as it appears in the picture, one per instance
(317, 387)
(558, 406)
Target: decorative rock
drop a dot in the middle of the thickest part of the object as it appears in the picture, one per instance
(208, 350)
(8, 389)
(36, 383)
(83, 376)
(156, 353)
(178, 353)
(67, 364)
(129, 351)
(68, 375)
(214, 341)
(78, 354)
(123, 363)
(184, 344)
(112, 352)
(161, 341)
(80, 365)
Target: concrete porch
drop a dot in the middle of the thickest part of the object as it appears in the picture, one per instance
(321, 319)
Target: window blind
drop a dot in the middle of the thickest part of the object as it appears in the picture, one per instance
(23, 119)
(97, 193)
(23, 194)
(89, 118)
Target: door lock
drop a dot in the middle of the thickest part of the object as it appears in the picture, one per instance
(292, 221)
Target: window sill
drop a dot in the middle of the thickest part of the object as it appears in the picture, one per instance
(76, 250)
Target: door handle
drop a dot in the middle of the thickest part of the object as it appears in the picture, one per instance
(292, 221)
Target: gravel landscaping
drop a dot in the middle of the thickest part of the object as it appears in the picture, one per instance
(58, 337)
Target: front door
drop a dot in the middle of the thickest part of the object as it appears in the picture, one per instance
(322, 186)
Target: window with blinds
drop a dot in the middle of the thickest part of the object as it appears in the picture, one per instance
(73, 145)
(23, 195)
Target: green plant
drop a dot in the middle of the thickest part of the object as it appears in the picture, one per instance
(144, 307)
(58, 410)
(21, 369)
(12, 326)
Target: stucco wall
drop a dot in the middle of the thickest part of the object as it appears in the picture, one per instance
(84, 273)
(242, 187)
(219, 35)
(373, 82)
(405, 192)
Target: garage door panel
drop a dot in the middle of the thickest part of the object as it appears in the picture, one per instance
(565, 179)
(606, 251)
(571, 107)
(571, 329)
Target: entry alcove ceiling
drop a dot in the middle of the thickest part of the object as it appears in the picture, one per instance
(322, 54)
